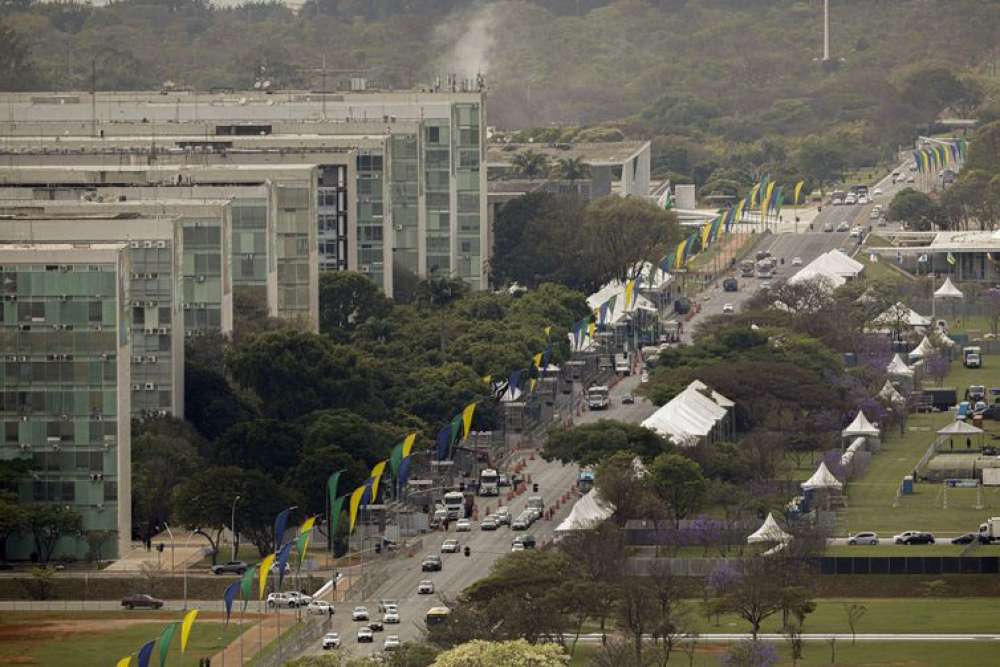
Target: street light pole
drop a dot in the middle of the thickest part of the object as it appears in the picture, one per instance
(232, 526)
(167, 526)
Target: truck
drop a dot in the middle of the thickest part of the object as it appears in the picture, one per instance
(622, 366)
(972, 357)
(489, 482)
(597, 397)
(585, 480)
(454, 503)
(747, 268)
(765, 268)
(536, 503)
(990, 531)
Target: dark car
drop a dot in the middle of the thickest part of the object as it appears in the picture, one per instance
(142, 600)
(918, 538)
(730, 285)
(376, 626)
(528, 541)
(431, 564)
(968, 538)
(628, 399)
(232, 567)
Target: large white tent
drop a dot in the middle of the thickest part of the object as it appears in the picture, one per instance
(833, 266)
(587, 513)
(689, 416)
(898, 367)
(860, 427)
(900, 315)
(822, 479)
(769, 531)
(948, 291)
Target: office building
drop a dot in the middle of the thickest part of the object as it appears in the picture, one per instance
(65, 383)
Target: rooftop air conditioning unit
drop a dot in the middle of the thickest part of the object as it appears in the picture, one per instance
(152, 359)
(53, 440)
(136, 387)
(147, 244)
(150, 386)
(200, 279)
(24, 446)
(163, 413)
(161, 244)
(187, 306)
(100, 507)
(133, 244)
(163, 330)
(137, 359)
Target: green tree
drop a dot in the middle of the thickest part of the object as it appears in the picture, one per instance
(267, 445)
(679, 483)
(164, 453)
(588, 444)
(917, 210)
(529, 163)
(210, 403)
(821, 159)
(572, 168)
(50, 522)
(17, 68)
(625, 486)
(347, 300)
(621, 232)
(516, 653)
(13, 520)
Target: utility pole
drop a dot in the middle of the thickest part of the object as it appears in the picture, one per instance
(826, 30)
(93, 97)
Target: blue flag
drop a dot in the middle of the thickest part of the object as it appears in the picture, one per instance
(146, 652)
(229, 596)
(283, 562)
(443, 441)
(546, 355)
(280, 524)
(404, 472)
(514, 382)
(366, 497)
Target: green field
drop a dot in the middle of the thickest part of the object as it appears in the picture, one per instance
(94, 638)
(880, 654)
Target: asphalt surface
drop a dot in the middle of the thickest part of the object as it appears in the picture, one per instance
(402, 575)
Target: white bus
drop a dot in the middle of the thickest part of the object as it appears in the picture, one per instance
(454, 502)
(597, 397)
(489, 482)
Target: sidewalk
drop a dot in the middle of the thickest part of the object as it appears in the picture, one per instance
(177, 554)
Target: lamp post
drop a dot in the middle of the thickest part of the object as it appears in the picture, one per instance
(167, 526)
(232, 525)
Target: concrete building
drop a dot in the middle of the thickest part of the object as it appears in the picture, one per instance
(153, 298)
(421, 195)
(65, 384)
(274, 249)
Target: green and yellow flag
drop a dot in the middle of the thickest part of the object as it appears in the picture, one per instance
(265, 570)
(124, 662)
(353, 506)
(548, 331)
(706, 231)
(753, 194)
(186, 626)
(629, 287)
(531, 385)
(377, 471)
(470, 410)
(166, 637)
(537, 360)
(798, 192)
(246, 588)
(592, 329)
(679, 255)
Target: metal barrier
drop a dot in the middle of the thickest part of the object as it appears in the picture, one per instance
(909, 565)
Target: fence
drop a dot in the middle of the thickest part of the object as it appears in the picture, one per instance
(293, 642)
(909, 565)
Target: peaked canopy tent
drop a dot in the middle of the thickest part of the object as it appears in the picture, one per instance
(948, 291)
(769, 531)
(890, 394)
(860, 427)
(960, 429)
(897, 317)
(587, 513)
(899, 368)
(822, 479)
(924, 349)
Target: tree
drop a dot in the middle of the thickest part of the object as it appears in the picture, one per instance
(619, 483)
(821, 159)
(755, 594)
(313, 470)
(750, 654)
(17, 69)
(679, 483)
(267, 445)
(13, 520)
(97, 540)
(937, 366)
(588, 444)
(916, 209)
(164, 454)
(296, 372)
(529, 163)
(347, 300)
(572, 169)
(210, 404)
(517, 653)
(854, 613)
(635, 612)
(620, 233)
(48, 523)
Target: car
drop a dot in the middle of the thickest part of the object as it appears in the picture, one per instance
(837, 201)
(425, 587)
(628, 399)
(727, 308)
(431, 564)
(320, 607)
(489, 523)
(850, 200)
(528, 541)
(503, 480)
(449, 546)
(365, 634)
(391, 643)
(766, 284)
(503, 516)
(843, 226)
(142, 600)
(895, 172)
(898, 539)
(856, 233)
(968, 538)
(975, 392)
(359, 614)
(231, 567)
(796, 261)
(331, 640)
(520, 523)
(863, 538)
(644, 378)
(376, 626)
(463, 526)
(919, 538)
(828, 227)
(877, 192)
(517, 546)
(862, 200)
(385, 604)
(391, 617)
(282, 600)
(299, 599)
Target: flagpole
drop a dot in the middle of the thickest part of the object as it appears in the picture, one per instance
(242, 609)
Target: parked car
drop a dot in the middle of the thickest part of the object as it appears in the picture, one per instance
(796, 261)
(289, 600)
(968, 538)
(300, 599)
(727, 308)
(877, 192)
(449, 546)
(503, 516)
(431, 564)
(425, 587)
(331, 640)
(520, 523)
(320, 607)
(503, 480)
(142, 600)
(975, 392)
(898, 539)
(463, 526)
(628, 399)
(863, 538)
(844, 226)
(828, 227)
(359, 614)
(517, 546)
(919, 538)
(385, 604)
(376, 626)
(850, 200)
(365, 634)
(231, 567)
(391, 643)
(526, 541)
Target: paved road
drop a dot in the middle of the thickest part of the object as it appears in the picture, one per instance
(401, 577)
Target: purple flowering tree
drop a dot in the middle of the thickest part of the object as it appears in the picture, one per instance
(749, 653)
(937, 366)
(705, 532)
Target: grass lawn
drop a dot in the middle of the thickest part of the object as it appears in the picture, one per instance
(881, 654)
(71, 640)
(880, 270)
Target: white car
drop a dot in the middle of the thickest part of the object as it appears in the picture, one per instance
(359, 614)
(727, 308)
(899, 539)
(862, 200)
(863, 538)
(856, 233)
(796, 261)
(850, 200)
(391, 643)
(877, 192)
(365, 634)
(463, 526)
(517, 546)
(425, 587)
(391, 617)
(331, 640)
(320, 607)
(449, 546)
(765, 284)
(911, 179)
(290, 600)
(644, 378)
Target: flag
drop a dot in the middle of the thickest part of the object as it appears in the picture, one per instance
(404, 472)
(377, 471)
(716, 225)
(396, 460)
(228, 598)
(779, 200)
(629, 286)
(765, 201)
(603, 312)
(926, 160)
(547, 355)
(798, 191)
(537, 360)
(611, 303)
(186, 625)
(689, 245)
(366, 497)
(280, 524)
(443, 442)
(919, 163)
(246, 586)
(307, 525)
(335, 512)
(951, 259)
(753, 194)
(706, 230)
(283, 555)
(263, 571)
(166, 637)
(739, 210)
(666, 200)
(145, 653)
(467, 413)
(331, 485)
(355, 502)
(456, 429)
(487, 379)
(531, 385)
(514, 382)
(592, 330)
(548, 331)
(125, 662)
(408, 444)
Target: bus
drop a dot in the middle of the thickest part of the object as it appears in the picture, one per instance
(454, 503)
(765, 268)
(597, 397)
(488, 482)
(747, 268)
(437, 616)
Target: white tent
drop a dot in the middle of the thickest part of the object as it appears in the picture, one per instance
(900, 314)
(617, 289)
(860, 427)
(960, 428)
(948, 291)
(922, 350)
(770, 531)
(898, 367)
(833, 266)
(716, 396)
(889, 393)
(687, 418)
(587, 512)
(822, 479)
(848, 456)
